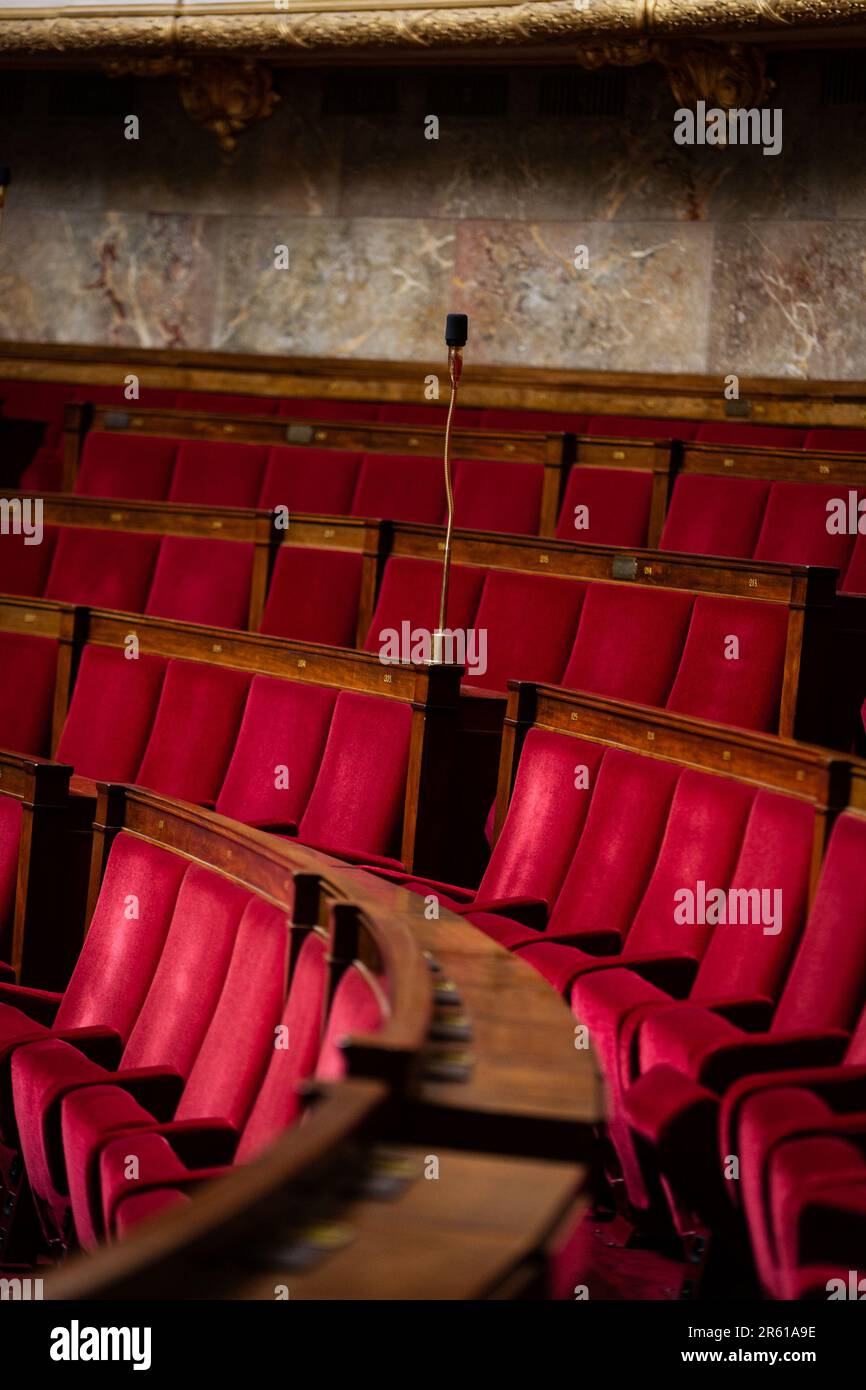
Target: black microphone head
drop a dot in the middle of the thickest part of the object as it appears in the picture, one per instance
(5, 175)
(456, 330)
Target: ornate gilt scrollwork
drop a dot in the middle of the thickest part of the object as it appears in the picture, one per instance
(721, 74)
(222, 94)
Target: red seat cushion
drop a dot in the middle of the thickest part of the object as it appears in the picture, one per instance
(617, 502)
(749, 436)
(27, 692)
(215, 403)
(24, 568)
(493, 496)
(318, 481)
(628, 427)
(629, 642)
(315, 408)
(530, 622)
(545, 421)
(794, 530)
(432, 416)
(126, 465)
(400, 487)
(104, 569)
(715, 516)
(746, 691)
(314, 596)
(198, 580)
(110, 715)
(838, 440)
(211, 474)
(410, 594)
(357, 1009)
(194, 730)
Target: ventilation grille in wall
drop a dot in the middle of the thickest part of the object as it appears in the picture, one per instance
(843, 79)
(571, 92)
(78, 95)
(368, 92)
(468, 92)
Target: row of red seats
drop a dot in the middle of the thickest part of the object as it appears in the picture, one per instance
(130, 1050)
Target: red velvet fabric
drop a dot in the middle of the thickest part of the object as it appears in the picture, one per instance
(314, 596)
(24, 568)
(715, 516)
(44, 472)
(126, 465)
(629, 642)
(318, 481)
(628, 427)
(833, 440)
(199, 580)
(285, 725)
(357, 1010)
(530, 622)
(750, 436)
(111, 712)
(494, 496)
(618, 505)
(357, 801)
(432, 416)
(746, 691)
(194, 730)
(314, 408)
(34, 400)
(214, 403)
(212, 474)
(794, 531)
(410, 593)
(546, 421)
(105, 569)
(400, 487)
(29, 665)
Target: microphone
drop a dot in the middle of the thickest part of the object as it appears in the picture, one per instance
(456, 334)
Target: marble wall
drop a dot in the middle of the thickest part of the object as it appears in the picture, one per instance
(700, 259)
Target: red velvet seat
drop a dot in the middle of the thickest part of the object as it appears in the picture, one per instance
(356, 805)
(313, 408)
(216, 403)
(358, 1008)
(199, 580)
(617, 502)
(105, 569)
(27, 692)
(211, 474)
(24, 568)
(493, 496)
(34, 400)
(126, 465)
(314, 596)
(194, 730)
(745, 691)
(833, 440)
(113, 705)
(629, 427)
(280, 740)
(220, 1087)
(530, 621)
(410, 593)
(794, 530)
(750, 436)
(317, 481)
(400, 487)
(715, 516)
(629, 642)
(149, 397)
(44, 472)
(167, 1035)
(545, 421)
(431, 416)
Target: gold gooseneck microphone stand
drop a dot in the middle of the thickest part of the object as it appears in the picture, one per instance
(458, 330)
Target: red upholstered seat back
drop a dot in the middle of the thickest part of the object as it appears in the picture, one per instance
(617, 502)
(34, 400)
(314, 596)
(410, 593)
(530, 623)
(126, 465)
(149, 397)
(24, 568)
(198, 580)
(121, 949)
(546, 421)
(189, 977)
(629, 642)
(321, 481)
(276, 1105)
(614, 856)
(701, 841)
(627, 427)
(545, 817)
(715, 516)
(281, 738)
(742, 961)
(213, 403)
(313, 408)
(194, 730)
(44, 472)
(400, 487)
(750, 436)
(10, 837)
(493, 496)
(111, 712)
(826, 985)
(432, 416)
(357, 801)
(854, 581)
(357, 1009)
(27, 701)
(746, 691)
(218, 475)
(239, 1041)
(794, 530)
(106, 569)
(843, 441)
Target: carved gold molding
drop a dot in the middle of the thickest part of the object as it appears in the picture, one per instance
(721, 74)
(223, 95)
